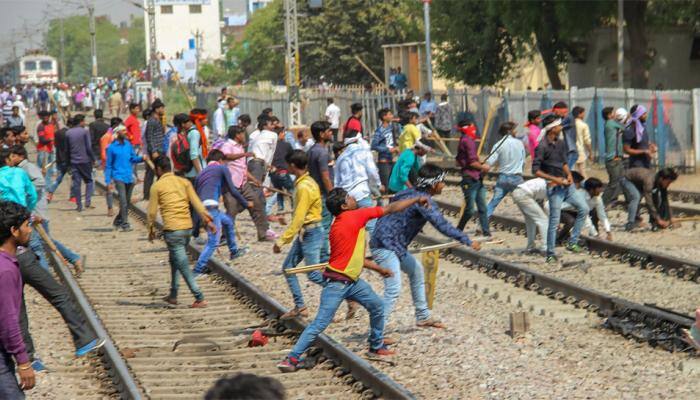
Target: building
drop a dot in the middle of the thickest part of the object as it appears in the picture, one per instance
(183, 25)
(676, 60)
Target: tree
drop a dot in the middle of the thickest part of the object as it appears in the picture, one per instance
(341, 30)
(113, 57)
(473, 46)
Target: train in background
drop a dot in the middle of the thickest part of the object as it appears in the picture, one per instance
(36, 69)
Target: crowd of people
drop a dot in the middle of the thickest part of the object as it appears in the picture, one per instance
(357, 200)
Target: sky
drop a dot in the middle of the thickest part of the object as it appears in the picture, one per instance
(21, 21)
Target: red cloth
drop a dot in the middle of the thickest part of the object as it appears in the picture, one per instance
(133, 130)
(469, 130)
(352, 124)
(347, 240)
(259, 339)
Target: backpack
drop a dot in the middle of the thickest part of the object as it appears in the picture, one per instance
(180, 153)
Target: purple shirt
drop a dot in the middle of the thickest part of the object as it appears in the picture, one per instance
(213, 180)
(10, 301)
(466, 154)
(79, 145)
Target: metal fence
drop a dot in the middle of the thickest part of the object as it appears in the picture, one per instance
(669, 123)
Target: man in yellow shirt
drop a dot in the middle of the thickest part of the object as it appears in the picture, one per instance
(306, 222)
(410, 134)
(173, 196)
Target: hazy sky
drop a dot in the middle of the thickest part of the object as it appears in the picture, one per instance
(24, 21)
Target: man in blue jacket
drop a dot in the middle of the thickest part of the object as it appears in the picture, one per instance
(119, 173)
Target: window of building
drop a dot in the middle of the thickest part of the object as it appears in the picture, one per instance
(195, 8)
(166, 9)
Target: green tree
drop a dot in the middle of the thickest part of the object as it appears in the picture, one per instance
(473, 46)
(339, 31)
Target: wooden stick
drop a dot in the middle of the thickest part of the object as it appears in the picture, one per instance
(438, 138)
(686, 219)
(45, 237)
(487, 126)
(376, 78)
(440, 246)
(306, 268)
(282, 192)
(182, 89)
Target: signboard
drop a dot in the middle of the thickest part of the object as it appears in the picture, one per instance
(176, 2)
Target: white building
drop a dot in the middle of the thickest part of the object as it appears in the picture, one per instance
(183, 25)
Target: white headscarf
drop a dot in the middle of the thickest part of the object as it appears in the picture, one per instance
(621, 115)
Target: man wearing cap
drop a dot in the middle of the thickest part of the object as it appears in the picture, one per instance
(121, 158)
(154, 137)
(551, 164)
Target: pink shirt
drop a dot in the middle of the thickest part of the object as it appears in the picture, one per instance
(532, 139)
(238, 168)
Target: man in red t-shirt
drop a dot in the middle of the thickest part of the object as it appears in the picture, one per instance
(342, 275)
(46, 132)
(133, 130)
(354, 123)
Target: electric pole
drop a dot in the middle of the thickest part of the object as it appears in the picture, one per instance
(93, 39)
(292, 61)
(428, 55)
(153, 64)
(63, 44)
(620, 44)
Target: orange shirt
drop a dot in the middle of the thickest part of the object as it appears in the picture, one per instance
(105, 141)
(347, 240)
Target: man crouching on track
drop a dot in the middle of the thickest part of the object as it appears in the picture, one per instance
(395, 232)
(173, 195)
(342, 276)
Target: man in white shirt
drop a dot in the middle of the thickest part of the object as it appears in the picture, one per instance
(591, 191)
(220, 128)
(527, 197)
(333, 117)
(262, 145)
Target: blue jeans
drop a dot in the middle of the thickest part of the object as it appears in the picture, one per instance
(365, 203)
(505, 184)
(59, 179)
(44, 158)
(633, 198)
(36, 244)
(392, 285)
(307, 248)
(223, 223)
(179, 263)
(571, 159)
(326, 221)
(557, 195)
(332, 296)
(282, 182)
(474, 192)
(9, 387)
(82, 173)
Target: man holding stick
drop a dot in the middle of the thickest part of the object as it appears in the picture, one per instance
(393, 234)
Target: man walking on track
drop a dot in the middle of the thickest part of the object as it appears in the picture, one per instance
(154, 137)
(81, 160)
(342, 276)
(121, 157)
(173, 195)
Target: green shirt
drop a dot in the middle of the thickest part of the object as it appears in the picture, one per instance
(406, 165)
(613, 139)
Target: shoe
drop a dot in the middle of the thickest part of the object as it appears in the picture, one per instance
(352, 310)
(551, 260)
(168, 300)
(199, 275)
(295, 312)
(574, 248)
(535, 252)
(692, 336)
(200, 304)
(38, 365)
(240, 253)
(382, 352)
(49, 197)
(430, 323)
(110, 212)
(126, 228)
(92, 346)
(271, 235)
(289, 364)
(200, 240)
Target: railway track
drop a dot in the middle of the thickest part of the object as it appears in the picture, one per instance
(161, 351)
(643, 321)
(681, 201)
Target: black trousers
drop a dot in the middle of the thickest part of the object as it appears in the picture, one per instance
(44, 283)
(148, 179)
(385, 169)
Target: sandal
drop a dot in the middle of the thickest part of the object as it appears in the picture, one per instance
(430, 323)
(295, 312)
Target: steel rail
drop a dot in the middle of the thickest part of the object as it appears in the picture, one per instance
(673, 266)
(379, 383)
(683, 196)
(114, 363)
(645, 323)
